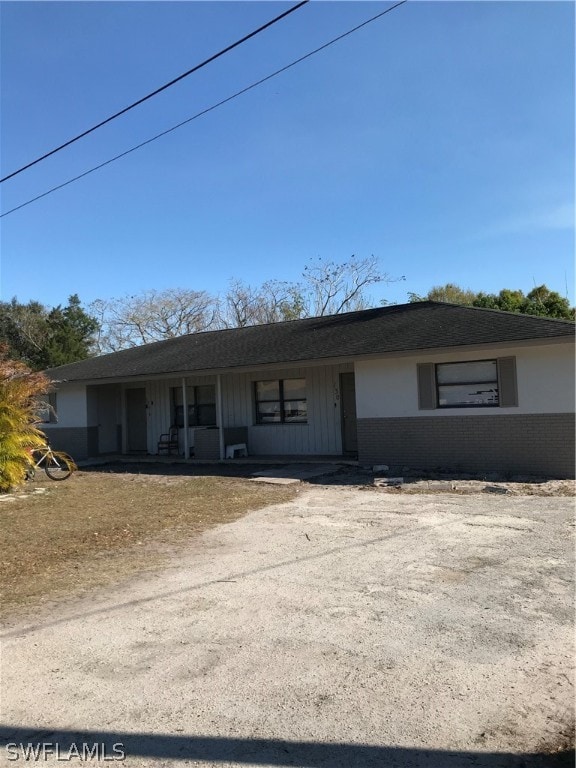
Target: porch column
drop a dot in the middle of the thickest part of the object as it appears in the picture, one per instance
(185, 406)
(219, 415)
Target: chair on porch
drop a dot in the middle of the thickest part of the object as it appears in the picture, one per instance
(168, 441)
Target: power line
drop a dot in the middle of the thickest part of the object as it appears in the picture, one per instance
(205, 111)
(158, 90)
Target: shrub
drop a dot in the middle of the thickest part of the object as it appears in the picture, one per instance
(20, 390)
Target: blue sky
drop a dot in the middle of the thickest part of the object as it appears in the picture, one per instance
(440, 138)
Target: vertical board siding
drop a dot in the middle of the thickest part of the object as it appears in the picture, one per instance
(159, 410)
(322, 433)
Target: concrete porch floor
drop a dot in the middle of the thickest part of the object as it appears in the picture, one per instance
(121, 458)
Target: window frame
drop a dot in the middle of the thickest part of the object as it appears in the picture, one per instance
(46, 410)
(282, 401)
(465, 383)
(194, 408)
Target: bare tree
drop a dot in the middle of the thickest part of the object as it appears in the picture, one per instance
(152, 316)
(327, 287)
(331, 287)
(271, 302)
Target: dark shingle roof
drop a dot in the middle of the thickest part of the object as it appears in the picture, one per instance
(401, 328)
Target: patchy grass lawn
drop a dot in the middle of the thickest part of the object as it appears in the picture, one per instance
(100, 527)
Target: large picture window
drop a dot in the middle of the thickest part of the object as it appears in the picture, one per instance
(467, 385)
(281, 401)
(201, 401)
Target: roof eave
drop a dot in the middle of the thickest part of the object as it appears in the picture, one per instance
(318, 361)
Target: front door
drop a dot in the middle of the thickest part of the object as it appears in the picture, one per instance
(136, 426)
(348, 409)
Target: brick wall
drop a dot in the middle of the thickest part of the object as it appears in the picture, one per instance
(538, 444)
(77, 441)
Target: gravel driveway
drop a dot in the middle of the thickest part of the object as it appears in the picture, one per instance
(346, 628)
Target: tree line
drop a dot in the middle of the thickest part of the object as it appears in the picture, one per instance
(539, 301)
(44, 337)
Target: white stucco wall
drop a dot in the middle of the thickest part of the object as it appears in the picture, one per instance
(545, 375)
(71, 408)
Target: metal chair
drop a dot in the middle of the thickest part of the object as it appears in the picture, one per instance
(169, 441)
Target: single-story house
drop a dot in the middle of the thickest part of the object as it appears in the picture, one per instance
(428, 385)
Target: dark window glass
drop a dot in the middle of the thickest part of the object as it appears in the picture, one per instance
(281, 401)
(201, 401)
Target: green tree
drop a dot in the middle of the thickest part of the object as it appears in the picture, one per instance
(507, 300)
(71, 334)
(44, 338)
(539, 301)
(450, 292)
(24, 330)
(549, 303)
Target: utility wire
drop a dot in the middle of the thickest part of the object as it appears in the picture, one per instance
(205, 111)
(158, 90)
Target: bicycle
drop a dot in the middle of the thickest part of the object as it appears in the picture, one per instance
(56, 464)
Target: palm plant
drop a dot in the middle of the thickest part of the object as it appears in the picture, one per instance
(20, 389)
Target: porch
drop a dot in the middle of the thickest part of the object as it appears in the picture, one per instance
(304, 414)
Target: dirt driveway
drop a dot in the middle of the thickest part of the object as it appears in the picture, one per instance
(345, 628)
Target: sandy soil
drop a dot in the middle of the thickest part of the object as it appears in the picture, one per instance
(99, 528)
(345, 628)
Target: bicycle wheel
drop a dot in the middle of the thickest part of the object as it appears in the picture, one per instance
(59, 466)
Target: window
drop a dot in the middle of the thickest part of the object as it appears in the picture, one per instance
(281, 401)
(201, 402)
(46, 410)
(470, 384)
(467, 385)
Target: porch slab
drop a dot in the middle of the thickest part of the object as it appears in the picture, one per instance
(305, 460)
(294, 473)
(276, 480)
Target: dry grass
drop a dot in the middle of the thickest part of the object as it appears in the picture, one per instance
(99, 528)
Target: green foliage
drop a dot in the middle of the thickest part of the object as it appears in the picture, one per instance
(539, 301)
(20, 389)
(450, 292)
(506, 300)
(70, 334)
(44, 338)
